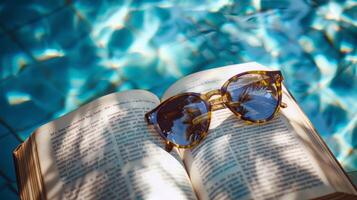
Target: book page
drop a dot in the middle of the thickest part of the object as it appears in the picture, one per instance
(274, 160)
(105, 150)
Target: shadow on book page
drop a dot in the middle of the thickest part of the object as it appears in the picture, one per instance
(277, 159)
(107, 151)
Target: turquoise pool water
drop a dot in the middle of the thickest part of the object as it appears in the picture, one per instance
(57, 55)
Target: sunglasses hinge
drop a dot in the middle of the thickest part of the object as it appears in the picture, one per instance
(169, 146)
(278, 77)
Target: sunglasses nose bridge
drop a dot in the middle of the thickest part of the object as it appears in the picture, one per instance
(216, 103)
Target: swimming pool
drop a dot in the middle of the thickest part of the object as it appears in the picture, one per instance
(56, 56)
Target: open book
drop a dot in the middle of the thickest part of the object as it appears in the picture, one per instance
(105, 150)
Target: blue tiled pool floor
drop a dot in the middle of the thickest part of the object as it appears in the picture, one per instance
(57, 55)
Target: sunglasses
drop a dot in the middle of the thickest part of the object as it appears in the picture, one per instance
(183, 120)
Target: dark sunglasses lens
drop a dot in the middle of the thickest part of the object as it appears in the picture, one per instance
(184, 119)
(254, 96)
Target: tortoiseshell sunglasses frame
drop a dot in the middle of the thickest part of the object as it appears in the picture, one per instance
(275, 77)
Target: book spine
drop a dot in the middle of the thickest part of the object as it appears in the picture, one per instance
(16, 160)
(28, 173)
